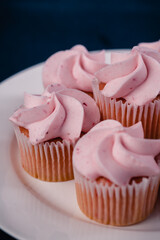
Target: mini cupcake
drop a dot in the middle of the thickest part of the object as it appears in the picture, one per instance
(47, 127)
(73, 68)
(128, 89)
(117, 177)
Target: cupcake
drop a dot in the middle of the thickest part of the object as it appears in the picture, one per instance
(128, 89)
(73, 68)
(47, 127)
(153, 45)
(117, 177)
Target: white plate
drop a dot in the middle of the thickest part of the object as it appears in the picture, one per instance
(32, 209)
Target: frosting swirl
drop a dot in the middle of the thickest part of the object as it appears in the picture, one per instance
(117, 153)
(58, 112)
(153, 45)
(73, 68)
(133, 76)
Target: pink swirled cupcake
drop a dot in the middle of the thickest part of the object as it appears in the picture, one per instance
(153, 45)
(128, 89)
(117, 177)
(47, 127)
(73, 68)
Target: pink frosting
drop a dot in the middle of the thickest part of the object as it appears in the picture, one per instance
(73, 68)
(117, 153)
(58, 112)
(153, 45)
(133, 76)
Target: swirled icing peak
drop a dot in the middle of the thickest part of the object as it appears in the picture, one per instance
(73, 68)
(116, 153)
(58, 112)
(153, 45)
(133, 76)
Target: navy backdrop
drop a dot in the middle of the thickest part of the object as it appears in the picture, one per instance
(32, 30)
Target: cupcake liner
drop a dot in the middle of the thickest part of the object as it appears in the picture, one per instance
(46, 161)
(129, 114)
(116, 205)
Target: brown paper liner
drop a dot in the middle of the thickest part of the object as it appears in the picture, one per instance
(116, 205)
(49, 161)
(129, 114)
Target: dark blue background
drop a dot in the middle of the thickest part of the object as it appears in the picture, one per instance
(30, 31)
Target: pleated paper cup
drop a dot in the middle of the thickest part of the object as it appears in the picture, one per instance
(129, 114)
(49, 161)
(116, 205)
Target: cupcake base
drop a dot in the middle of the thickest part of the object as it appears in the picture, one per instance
(129, 114)
(89, 94)
(115, 205)
(49, 161)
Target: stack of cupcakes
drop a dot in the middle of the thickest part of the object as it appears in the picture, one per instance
(115, 168)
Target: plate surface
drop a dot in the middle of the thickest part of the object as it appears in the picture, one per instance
(32, 209)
